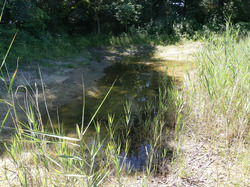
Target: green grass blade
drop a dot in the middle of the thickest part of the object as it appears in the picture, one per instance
(12, 79)
(8, 51)
(2, 10)
(4, 120)
(54, 135)
(78, 131)
(70, 157)
(83, 108)
(99, 108)
(5, 102)
(101, 179)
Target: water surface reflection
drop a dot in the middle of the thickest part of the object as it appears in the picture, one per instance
(136, 81)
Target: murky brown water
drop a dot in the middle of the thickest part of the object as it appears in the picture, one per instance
(136, 81)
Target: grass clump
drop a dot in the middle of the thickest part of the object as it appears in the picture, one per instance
(217, 111)
(223, 85)
(43, 158)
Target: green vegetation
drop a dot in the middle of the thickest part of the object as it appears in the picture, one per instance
(199, 134)
(217, 109)
(36, 152)
(61, 29)
(64, 47)
(213, 106)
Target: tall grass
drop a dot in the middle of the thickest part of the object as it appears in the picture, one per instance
(217, 105)
(43, 158)
(222, 90)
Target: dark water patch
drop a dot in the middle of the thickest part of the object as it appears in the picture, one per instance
(137, 159)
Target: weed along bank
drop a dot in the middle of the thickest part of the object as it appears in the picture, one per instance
(116, 121)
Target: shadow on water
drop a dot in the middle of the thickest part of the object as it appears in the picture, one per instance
(137, 81)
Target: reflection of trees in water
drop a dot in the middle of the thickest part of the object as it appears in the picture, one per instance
(134, 79)
(136, 82)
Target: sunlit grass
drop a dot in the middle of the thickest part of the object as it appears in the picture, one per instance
(224, 85)
(217, 110)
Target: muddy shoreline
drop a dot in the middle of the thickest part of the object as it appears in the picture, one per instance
(63, 81)
(60, 86)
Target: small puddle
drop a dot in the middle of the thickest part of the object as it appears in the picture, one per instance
(136, 81)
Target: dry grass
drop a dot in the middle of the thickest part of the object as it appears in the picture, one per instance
(215, 147)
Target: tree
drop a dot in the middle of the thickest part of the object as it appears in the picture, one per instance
(127, 12)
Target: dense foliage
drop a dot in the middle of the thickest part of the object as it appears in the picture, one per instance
(106, 16)
(64, 28)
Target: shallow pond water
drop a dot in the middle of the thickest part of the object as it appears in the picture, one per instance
(136, 81)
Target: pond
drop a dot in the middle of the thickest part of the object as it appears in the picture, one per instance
(136, 82)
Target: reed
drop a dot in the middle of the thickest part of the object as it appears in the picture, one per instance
(217, 110)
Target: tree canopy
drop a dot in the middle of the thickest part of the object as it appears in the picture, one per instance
(106, 16)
